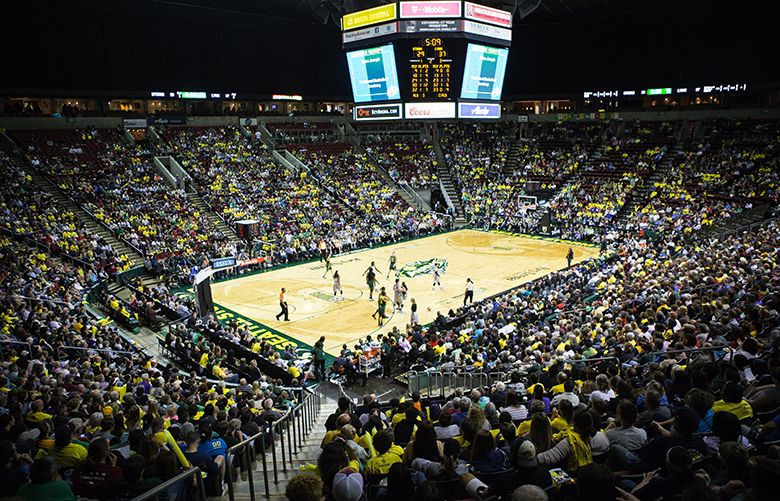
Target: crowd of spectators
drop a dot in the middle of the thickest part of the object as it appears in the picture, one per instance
(27, 210)
(732, 168)
(651, 372)
(412, 161)
(118, 184)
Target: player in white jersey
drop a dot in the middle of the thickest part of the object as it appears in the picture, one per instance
(338, 292)
(436, 279)
(398, 296)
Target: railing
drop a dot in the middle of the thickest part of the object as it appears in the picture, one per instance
(414, 195)
(182, 477)
(107, 351)
(291, 430)
(446, 196)
(17, 343)
(747, 228)
(438, 383)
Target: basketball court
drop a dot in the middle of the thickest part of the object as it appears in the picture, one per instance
(494, 261)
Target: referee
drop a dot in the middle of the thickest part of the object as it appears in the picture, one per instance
(283, 306)
(469, 296)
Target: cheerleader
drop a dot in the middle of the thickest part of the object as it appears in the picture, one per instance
(415, 318)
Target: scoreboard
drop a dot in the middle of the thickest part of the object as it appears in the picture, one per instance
(427, 59)
(430, 70)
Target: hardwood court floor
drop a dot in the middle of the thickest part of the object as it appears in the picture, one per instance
(494, 261)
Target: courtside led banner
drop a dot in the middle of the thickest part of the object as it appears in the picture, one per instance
(361, 18)
(428, 10)
(378, 112)
(487, 15)
(429, 111)
(479, 110)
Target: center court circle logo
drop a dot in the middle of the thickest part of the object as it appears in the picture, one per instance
(423, 267)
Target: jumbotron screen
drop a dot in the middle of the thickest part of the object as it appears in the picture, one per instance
(373, 74)
(428, 69)
(447, 59)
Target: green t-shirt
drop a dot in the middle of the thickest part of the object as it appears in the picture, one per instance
(57, 490)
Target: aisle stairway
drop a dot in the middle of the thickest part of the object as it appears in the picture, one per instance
(226, 229)
(640, 195)
(512, 159)
(417, 202)
(307, 452)
(443, 172)
(65, 202)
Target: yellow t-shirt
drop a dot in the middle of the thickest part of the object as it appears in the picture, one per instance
(69, 456)
(559, 424)
(742, 410)
(37, 417)
(381, 464)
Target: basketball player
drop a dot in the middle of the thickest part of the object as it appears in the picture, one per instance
(328, 266)
(398, 296)
(392, 268)
(415, 318)
(381, 307)
(371, 281)
(469, 296)
(338, 292)
(283, 306)
(436, 279)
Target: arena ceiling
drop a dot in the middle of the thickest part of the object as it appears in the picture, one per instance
(547, 12)
(263, 47)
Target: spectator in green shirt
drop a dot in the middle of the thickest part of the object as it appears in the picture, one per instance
(45, 484)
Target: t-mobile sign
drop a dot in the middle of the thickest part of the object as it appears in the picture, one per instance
(430, 9)
(479, 110)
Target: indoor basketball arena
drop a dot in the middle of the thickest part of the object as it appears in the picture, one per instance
(382, 250)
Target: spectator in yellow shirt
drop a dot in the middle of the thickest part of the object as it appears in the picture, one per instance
(386, 454)
(733, 402)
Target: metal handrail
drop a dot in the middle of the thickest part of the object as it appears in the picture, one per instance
(101, 350)
(297, 423)
(195, 471)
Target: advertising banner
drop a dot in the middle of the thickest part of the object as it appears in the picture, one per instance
(488, 15)
(378, 112)
(411, 10)
(432, 26)
(361, 18)
(368, 33)
(429, 111)
(134, 123)
(479, 110)
(168, 120)
(487, 31)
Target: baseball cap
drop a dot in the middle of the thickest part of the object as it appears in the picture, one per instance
(526, 455)
(31, 434)
(347, 485)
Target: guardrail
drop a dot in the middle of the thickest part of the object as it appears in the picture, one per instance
(438, 383)
(291, 430)
(182, 477)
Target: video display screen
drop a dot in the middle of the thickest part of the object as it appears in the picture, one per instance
(483, 76)
(373, 74)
